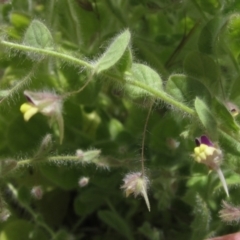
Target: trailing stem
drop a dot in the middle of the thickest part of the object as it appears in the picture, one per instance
(143, 139)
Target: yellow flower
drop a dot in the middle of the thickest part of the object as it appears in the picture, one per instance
(206, 153)
(28, 110)
(46, 103)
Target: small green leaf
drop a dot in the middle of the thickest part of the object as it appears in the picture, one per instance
(230, 143)
(89, 200)
(21, 230)
(185, 88)
(201, 223)
(19, 20)
(125, 63)
(38, 35)
(66, 178)
(232, 34)
(145, 75)
(209, 36)
(113, 53)
(150, 232)
(204, 69)
(113, 220)
(206, 117)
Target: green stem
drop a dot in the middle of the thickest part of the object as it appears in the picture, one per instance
(30, 161)
(164, 96)
(158, 94)
(47, 52)
(31, 212)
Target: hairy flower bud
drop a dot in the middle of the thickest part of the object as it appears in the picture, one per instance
(37, 192)
(233, 109)
(229, 213)
(137, 184)
(83, 181)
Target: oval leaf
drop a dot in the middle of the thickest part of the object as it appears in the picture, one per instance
(38, 35)
(145, 75)
(206, 117)
(114, 221)
(209, 35)
(204, 69)
(113, 53)
(185, 88)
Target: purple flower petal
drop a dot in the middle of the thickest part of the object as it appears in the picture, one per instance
(205, 140)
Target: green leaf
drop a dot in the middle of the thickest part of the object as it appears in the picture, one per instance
(21, 230)
(232, 180)
(65, 177)
(209, 6)
(113, 220)
(54, 206)
(201, 223)
(232, 34)
(113, 53)
(230, 143)
(144, 74)
(206, 117)
(150, 232)
(38, 35)
(209, 36)
(185, 88)
(89, 200)
(125, 63)
(204, 69)
(19, 20)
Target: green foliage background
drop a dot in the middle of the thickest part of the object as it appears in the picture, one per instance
(180, 56)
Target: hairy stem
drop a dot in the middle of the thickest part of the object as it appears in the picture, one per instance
(143, 139)
(158, 94)
(47, 52)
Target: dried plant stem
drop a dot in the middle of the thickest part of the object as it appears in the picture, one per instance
(143, 139)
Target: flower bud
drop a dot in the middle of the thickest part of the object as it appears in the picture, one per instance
(4, 214)
(229, 213)
(233, 109)
(88, 156)
(137, 184)
(83, 181)
(172, 143)
(37, 192)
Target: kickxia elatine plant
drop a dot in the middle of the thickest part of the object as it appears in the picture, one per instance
(100, 104)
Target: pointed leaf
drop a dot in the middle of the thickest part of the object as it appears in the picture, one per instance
(38, 35)
(230, 143)
(204, 69)
(209, 36)
(113, 53)
(186, 89)
(143, 74)
(206, 117)
(201, 223)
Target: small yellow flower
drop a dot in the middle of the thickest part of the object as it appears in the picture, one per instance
(28, 110)
(206, 153)
(46, 103)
